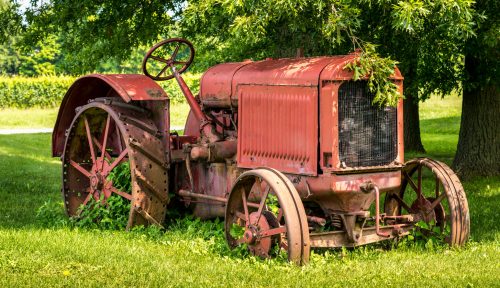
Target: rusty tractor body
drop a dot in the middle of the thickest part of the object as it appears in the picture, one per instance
(291, 152)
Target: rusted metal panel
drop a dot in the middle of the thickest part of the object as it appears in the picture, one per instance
(128, 87)
(132, 87)
(342, 192)
(333, 239)
(278, 128)
(215, 84)
(219, 84)
(294, 72)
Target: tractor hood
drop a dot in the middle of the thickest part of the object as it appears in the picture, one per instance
(219, 84)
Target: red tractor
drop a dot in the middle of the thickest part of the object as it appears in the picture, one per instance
(291, 152)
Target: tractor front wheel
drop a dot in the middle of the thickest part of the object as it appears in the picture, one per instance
(264, 213)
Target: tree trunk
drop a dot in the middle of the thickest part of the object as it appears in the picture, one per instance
(411, 119)
(478, 150)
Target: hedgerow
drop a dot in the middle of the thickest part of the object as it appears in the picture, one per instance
(48, 91)
(26, 92)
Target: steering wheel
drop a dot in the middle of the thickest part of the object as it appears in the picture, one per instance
(174, 53)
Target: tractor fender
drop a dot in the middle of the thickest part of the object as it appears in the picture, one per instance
(129, 87)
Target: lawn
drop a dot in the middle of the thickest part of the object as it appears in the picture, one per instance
(45, 118)
(193, 253)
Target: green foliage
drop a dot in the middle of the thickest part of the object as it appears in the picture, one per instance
(112, 213)
(92, 31)
(173, 90)
(51, 214)
(426, 37)
(426, 236)
(10, 20)
(41, 59)
(9, 57)
(23, 92)
(48, 91)
(109, 214)
(121, 177)
(377, 70)
(272, 203)
(211, 232)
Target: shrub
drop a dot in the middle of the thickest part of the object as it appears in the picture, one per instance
(173, 90)
(48, 91)
(26, 92)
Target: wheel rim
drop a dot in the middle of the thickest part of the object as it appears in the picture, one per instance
(129, 136)
(433, 195)
(262, 214)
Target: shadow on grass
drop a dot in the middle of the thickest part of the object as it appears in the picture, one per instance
(29, 178)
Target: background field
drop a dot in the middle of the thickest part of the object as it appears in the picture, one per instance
(193, 253)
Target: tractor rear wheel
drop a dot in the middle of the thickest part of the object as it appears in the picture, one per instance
(102, 141)
(432, 193)
(265, 213)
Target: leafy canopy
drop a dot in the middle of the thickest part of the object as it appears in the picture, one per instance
(426, 37)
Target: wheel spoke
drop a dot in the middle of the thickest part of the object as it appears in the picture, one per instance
(87, 199)
(412, 184)
(105, 140)
(174, 55)
(245, 208)
(262, 203)
(273, 231)
(162, 71)
(437, 201)
(96, 143)
(401, 202)
(89, 138)
(159, 59)
(80, 168)
(116, 162)
(180, 62)
(280, 214)
(121, 193)
(240, 215)
(284, 245)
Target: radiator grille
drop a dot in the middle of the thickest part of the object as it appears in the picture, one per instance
(367, 134)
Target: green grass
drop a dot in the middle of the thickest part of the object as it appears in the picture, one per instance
(193, 253)
(46, 118)
(178, 114)
(27, 118)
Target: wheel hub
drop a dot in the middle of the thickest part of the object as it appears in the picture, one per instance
(423, 207)
(98, 176)
(250, 235)
(94, 182)
(259, 246)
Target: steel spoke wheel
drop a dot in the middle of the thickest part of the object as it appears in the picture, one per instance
(432, 195)
(264, 212)
(102, 143)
